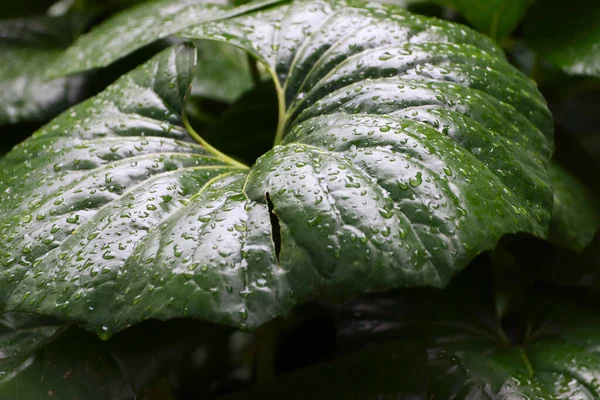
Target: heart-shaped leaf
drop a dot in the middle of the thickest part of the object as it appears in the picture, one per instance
(445, 345)
(406, 147)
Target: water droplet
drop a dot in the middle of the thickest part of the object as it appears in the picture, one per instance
(416, 180)
(386, 56)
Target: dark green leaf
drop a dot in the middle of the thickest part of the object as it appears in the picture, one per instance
(141, 25)
(575, 217)
(76, 365)
(28, 45)
(445, 345)
(38, 362)
(223, 72)
(153, 350)
(406, 146)
(245, 129)
(497, 18)
(20, 336)
(41, 360)
(567, 34)
(378, 372)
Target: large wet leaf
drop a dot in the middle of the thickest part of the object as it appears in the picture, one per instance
(27, 46)
(445, 345)
(567, 34)
(406, 147)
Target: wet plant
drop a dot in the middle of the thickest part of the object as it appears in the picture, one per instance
(295, 199)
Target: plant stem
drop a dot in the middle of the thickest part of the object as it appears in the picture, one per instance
(526, 361)
(223, 157)
(281, 119)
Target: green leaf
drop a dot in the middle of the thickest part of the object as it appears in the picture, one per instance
(141, 25)
(20, 336)
(255, 116)
(40, 361)
(407, 146)
(575, 217)
(497, 18)
(223, 72)
(567, 34)
(445, 345)
(28, 45)
(76, 365)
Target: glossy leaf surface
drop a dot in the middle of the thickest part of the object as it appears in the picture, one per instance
(567, 34)
(27, 46)
(446, 345)
(406, 147)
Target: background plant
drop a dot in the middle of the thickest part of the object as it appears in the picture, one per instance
(156, 245)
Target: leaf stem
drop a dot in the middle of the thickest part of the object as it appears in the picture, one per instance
(526, 361)
(223, 157)
(281, 119)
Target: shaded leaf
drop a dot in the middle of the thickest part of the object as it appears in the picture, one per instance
(76, 365)
(497, 18)
(28, 45)
(20, 336)
(223, 72)
(442, 344)
(41, 359)
(406, 146)
(245, 129)
(575, 217)
(567, 34)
